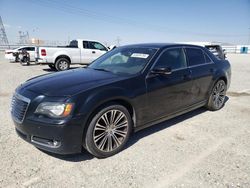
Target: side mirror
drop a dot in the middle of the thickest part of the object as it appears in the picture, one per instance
(162, 71)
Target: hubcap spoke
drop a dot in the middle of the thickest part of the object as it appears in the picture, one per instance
(113, 113)
(120, 116)
(105, 119)
(100, 127)
(98, 137)
(117, 141)
(110, 147)
(122, 124)
(120, 133)
(103, 142)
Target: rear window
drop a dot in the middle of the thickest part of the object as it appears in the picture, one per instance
(195, 56)
(207, 59)
(30, 48)
(73, 43)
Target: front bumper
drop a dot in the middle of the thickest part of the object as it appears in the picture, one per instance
(65, 138)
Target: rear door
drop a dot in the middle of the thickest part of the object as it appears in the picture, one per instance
(202, 68)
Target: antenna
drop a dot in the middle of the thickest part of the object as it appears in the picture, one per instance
(3, 36)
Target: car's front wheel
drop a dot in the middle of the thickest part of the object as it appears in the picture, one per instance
(108, 131)
(217, 96)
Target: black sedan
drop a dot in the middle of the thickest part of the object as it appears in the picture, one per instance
(125, 90)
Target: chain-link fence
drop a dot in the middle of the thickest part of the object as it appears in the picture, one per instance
(37, 43)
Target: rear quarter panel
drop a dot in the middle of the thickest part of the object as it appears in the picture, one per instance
(52, 53)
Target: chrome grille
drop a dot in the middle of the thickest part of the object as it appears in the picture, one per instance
(19, 106)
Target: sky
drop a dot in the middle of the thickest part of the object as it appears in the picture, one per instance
(130, 21)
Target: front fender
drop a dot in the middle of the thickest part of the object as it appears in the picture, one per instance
(97, 98)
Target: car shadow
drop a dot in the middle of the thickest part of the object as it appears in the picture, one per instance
(31, 64)
(84, 156)
(163, 125)
(168, 123)
(136, 136)
(54, 70)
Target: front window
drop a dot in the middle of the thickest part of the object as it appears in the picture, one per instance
(172, 58)
(124, 60)
(97, 46)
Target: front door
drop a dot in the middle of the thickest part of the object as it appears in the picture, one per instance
(97, 49)
(169, 93)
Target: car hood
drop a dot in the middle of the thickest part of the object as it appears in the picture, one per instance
(10, 50)
(68, 83)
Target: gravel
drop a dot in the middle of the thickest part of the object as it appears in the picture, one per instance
(198, 149)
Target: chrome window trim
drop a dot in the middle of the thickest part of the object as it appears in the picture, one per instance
(211, 61)
(201, 65)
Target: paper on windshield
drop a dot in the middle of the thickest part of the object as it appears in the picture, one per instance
(140, 55)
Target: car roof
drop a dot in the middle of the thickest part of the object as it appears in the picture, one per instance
(24, 47)
(159, 45)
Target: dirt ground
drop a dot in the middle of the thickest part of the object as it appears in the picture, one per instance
(198, 149)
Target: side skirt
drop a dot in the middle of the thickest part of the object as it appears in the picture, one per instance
(170, 116)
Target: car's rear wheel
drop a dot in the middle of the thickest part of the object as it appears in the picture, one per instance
(62, 64)
(217, 96)
(108, 131)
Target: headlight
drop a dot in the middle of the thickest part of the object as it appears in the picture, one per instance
(54, 109)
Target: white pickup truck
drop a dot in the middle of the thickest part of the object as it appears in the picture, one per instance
(77, 52)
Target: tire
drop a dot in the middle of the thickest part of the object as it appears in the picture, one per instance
(25, 61)
(103, 139)
(217, 96)
(28, 61)
(17, 59)
(62, 64)
(52, 66)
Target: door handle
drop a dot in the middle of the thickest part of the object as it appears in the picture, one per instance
(93, 52)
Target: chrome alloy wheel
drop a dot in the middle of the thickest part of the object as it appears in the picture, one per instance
(63, 65)
(219, 93)
(110, 130)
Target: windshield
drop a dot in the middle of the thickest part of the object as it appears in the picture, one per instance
(124, 60)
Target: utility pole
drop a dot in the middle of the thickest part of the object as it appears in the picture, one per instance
(118, 40)
(23, 37)
(3, 36)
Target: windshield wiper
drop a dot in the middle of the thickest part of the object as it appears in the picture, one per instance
(100, 69)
